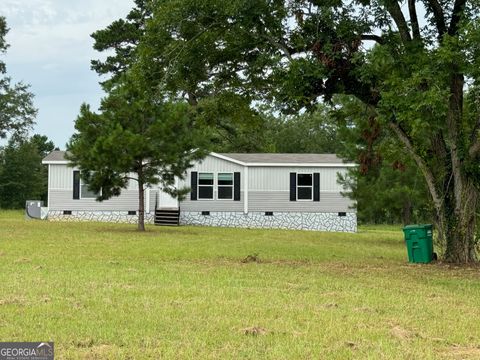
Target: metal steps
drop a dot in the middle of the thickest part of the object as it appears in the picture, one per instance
(167, 217)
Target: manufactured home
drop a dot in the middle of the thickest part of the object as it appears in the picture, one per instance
(287, 191)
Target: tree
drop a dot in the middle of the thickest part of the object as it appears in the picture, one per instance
(17, 112)
(135, 137)
(233, 124)
(122, 36)
(310, 132)
(22, 175)
(417, 76)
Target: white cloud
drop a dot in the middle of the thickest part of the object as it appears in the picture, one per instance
(51, 49)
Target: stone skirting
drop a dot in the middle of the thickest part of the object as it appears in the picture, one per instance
(279, 220)
(102, 216)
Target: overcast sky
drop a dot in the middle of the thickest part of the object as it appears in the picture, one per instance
(51, 49)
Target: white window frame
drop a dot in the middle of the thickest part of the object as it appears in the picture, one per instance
(198, 186)
(80, 190)
(304, 186)
(232, 186)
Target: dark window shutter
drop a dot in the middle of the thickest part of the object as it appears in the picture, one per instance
(293, 186)
(76, 184)
(236, 186)
(316, 187)
(193, 185)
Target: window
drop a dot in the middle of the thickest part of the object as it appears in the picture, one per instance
(225, 186)
(85, 193)
(205, 213)
(205, 185)
(304, 186)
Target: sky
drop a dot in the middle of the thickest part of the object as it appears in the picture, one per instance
(51, 49)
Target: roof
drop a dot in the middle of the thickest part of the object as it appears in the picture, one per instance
(254, 159)
(284, 160)
(275, 158)
(55, 157)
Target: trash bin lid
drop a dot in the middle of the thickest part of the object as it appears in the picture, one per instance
(418, 226)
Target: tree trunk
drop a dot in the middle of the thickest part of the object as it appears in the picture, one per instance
(460, 224)
(461, 195)
(407, 212)
(141, 202)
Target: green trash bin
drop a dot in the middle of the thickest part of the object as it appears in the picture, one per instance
(419, 241)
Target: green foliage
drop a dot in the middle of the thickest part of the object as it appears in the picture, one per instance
(232, 125)
(228, 117)
(17, 112)
(122, 36)
(313, 132)
(22, 175)
(134, 133)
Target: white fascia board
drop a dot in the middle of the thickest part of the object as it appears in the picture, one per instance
(227, 158)
(301, 164)
(57, 162)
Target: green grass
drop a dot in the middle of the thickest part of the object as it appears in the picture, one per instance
(104, 291)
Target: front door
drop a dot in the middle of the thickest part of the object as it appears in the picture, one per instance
(166, 201)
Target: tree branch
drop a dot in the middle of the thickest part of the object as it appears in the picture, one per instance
(457, 12)
(282, 47)
(397, 15)
(414, 20)
(130, 178)
(378, 39)
(438, 15)
(429, 178)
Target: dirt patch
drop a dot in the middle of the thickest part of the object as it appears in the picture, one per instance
(84, 343)
(101, 351)
(403, 334)
(253, 258)
(330, 306)
(468, 266)
(462, 352)
(255, 331)
(13, 301)
(351, 345)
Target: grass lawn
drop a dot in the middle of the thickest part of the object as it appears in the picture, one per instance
(104, 291)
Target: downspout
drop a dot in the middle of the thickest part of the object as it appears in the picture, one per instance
(245, 191)
(48, 187)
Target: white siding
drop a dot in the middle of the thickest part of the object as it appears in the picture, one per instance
(280, 201)
(212, 205)
(213, 165)
(61, 178)
(268, 191)
(61, 194)
(63, 200)
(278, 178)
